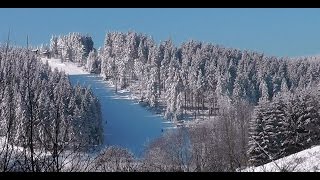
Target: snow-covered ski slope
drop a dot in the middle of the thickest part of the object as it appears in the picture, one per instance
(128, 124)
(304, 161)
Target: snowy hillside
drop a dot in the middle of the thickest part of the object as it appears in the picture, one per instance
(303, 161)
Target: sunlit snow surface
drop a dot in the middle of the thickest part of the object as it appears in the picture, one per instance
(128, 124)
(304, 161)
(67, 67)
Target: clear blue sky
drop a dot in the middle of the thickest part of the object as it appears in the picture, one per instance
(280, 32)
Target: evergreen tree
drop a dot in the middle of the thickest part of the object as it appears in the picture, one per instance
(257, 142)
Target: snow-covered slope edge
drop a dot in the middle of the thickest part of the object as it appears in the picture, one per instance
(304, 161)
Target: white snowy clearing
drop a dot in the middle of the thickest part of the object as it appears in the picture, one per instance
(126, 123)
(304, 161)
(67, 67)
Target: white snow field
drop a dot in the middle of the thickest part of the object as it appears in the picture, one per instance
(304, 161)
(67, 67)
(126, 123)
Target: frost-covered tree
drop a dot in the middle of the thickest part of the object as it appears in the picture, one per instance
(93, 64)
(257, 142)
(275, 128)
(54, 46)
(73, 47)
(152, 90)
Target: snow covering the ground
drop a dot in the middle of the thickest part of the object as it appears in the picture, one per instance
(126, 122)
(304, 161)
(67, 67)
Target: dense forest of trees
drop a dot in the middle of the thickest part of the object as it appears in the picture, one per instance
(261, 108)
(41, 112)
(203, 80)
(196, 75)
